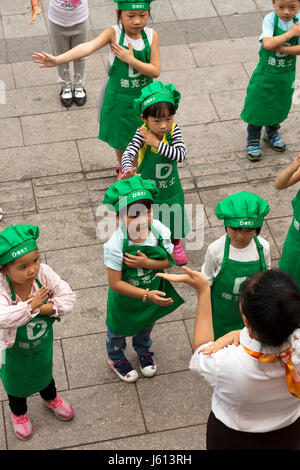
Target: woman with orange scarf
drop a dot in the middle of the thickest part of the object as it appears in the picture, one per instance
(254, 371)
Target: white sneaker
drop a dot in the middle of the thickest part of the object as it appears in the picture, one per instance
(124, 370)
(66, 97)
(79, 96)
(147, 364)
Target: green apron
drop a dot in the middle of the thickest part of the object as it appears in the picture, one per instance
(164, 173)
(127, 316)
(119, 119)
(270, 90)
(226, 287)
(27, 365)
(290, 257)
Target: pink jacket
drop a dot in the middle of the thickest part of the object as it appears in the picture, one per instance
(15, 314)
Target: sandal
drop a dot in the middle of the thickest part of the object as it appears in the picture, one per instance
(254, 153)
(1, 213)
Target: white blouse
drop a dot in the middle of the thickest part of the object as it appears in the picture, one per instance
(248, 395)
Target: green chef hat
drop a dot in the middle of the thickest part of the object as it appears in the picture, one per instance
(242, 210)
(157, 92)
(17, 241)
(125, 192)
(133, 4)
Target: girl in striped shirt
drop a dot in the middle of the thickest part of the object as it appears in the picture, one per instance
(154, 152)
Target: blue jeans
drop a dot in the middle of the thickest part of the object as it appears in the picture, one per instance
(255, 131)
(115, 344)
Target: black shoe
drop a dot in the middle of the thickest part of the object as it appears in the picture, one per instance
(66, 97)
(79, 95)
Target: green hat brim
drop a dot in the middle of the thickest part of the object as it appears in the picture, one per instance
(244, 223)
(134, 196)
(135, 6)
(159, 97)
(18, 251)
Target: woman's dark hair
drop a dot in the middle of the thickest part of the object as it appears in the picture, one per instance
(159, 110)
(270, 300)
(141, 204)
(119, 14)
(258, 229)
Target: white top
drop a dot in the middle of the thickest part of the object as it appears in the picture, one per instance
(113, 249)
(268, 26)
(215, 254)
(248, 395)
(137, 44)
(68, 12)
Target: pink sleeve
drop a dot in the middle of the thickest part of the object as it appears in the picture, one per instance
(60, 293)
(13, 316)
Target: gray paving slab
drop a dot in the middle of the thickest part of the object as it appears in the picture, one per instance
(54, 172)
(190, 438)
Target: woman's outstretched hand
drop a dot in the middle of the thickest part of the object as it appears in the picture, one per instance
(190, 277)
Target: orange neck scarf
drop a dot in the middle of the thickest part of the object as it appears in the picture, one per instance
(291, 376)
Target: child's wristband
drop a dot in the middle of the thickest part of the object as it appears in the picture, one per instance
(146, 295)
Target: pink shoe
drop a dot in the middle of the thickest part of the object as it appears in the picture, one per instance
(179, 255)
(22, 426)
(61, 408)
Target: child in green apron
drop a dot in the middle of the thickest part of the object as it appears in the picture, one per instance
(138, 249)
(134, 63)
(32, 297)
(156, 149)
(290, 257)
(235, 256)
(270, 91)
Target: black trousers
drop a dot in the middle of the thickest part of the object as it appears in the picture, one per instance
(18, 405)
(221, 437)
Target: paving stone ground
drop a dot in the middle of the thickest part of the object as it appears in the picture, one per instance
(54, 172)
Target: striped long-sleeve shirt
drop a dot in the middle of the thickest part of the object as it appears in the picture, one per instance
(176, 151)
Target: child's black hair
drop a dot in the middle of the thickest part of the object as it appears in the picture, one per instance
(258, 229)
(270, 300)
(119, 14)
(159, 110)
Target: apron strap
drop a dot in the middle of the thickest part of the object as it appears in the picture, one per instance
(226, 251)
(12, 292)
(260, 250)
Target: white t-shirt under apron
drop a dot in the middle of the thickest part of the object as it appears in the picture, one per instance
(215, 254)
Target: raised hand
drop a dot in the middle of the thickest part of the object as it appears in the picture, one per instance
(35, 12)
(40, 297)
(46, 60)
